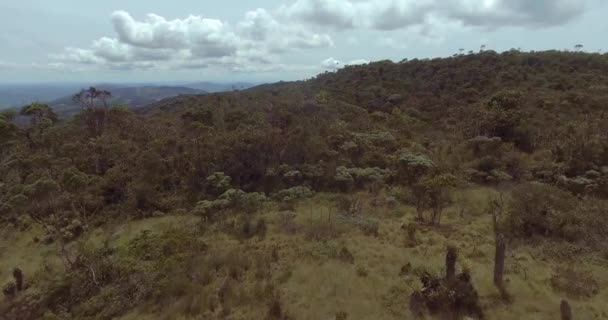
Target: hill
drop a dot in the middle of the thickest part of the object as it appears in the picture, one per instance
(474, 185)
(134, 97)
(219, 87)
(17, 95)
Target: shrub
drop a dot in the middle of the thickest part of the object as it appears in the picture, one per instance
(231, 199)
(260, 228)
(540, 210)
(576, 283)
(433, 193)
(218, 183)
(346, 178)
(275, 311)
(345, 256)
(295, 193)
(450, 298)
(10, 290)
(413, 166)
(287, 222)
(369, 227)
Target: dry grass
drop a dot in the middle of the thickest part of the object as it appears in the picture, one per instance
(310, 280)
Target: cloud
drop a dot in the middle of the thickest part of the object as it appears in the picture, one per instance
(261, 38)
(519, 13)
(340, 14)
(195, 42)
(399, 14)
(335, 64)
(37, 66)
(392, 44)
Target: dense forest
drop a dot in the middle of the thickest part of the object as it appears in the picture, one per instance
(471, 186)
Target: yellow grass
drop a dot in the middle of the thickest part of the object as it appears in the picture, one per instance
(315, 285)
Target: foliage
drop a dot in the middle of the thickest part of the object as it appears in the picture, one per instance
(433, 193)
(231, 199)
(414, 166)
(219, 182)
(295, 193)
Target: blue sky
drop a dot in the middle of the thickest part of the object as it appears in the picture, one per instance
(229, 40)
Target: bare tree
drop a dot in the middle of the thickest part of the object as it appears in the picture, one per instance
(450, 262)
(92, 98)
(565, 310)
(94, 103)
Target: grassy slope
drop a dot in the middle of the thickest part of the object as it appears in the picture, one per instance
(314, 284)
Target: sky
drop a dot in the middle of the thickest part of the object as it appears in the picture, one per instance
(270, 40)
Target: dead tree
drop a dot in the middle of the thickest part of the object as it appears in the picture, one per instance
(18, 275)
(565, 310)
(450, 262)
(499, 262)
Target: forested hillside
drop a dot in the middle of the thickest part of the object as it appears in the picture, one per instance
(473, 186)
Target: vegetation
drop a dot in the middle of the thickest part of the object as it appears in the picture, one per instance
(332, 197)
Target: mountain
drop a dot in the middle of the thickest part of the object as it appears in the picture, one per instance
(220, 87)
(17, 95)
(474, 186)
(134, 97)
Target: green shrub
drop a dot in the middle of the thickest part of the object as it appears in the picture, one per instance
(413, 166)
(231, 199)
(292, 194)
(541, 210)
(575, 283)
(346, 178)
(218, 182)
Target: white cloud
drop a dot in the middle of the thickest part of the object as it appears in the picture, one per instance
(335, 64)
(195, 42)
(392, 43)
(399, 14)
(340, 14)
(262, 38)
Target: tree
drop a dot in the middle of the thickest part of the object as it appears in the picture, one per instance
(92, 98)
(41, 117)
(433, 193)
(578, 47)
(94, 103)
(7, 128)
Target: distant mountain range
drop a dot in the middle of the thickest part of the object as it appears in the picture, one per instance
(59, 96)
(134, 97)
(220, 87)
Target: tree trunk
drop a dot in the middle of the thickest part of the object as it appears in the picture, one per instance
(499, 261)
(566, 310)
(450, 263)
(18, 275)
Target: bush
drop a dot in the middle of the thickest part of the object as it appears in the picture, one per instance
(542, 210)
(346, 178)
(413, 166)
(346, 256)
(295, 193)
(231, 199)
(287, 222)
(218, 183)
(575, 283)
